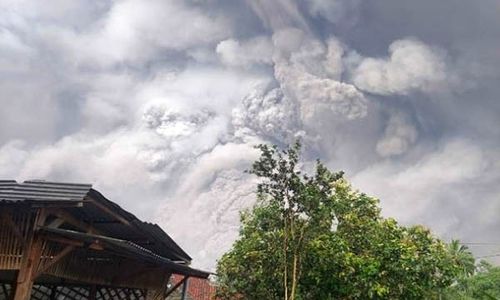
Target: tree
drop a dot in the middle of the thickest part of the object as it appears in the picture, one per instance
(483, 285)
(462, 257)
(314, 237)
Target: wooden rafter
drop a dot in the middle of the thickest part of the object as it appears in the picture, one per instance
(109, 211)
(56, 223)
(94, 246)
(68, 249)
(44, 250)
(14, 227)
(68, 218)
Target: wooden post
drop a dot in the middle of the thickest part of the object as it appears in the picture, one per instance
(93, 292)
(160, 293)
(30, 260)
(172, 289)
(184, 289)
(53, 293)
(25, 278)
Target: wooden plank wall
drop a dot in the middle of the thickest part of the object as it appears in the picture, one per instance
(14, 230)
(113, 275)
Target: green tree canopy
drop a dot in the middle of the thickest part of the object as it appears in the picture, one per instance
(483, 285)
(462, 257)
(315, 237)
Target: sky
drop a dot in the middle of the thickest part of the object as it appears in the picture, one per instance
(159, 104)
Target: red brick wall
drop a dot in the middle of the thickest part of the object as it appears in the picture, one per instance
(198, 289)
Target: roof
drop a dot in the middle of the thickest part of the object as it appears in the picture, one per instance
(151, 235)
(45, 191)
(41, 192)
(125, 248)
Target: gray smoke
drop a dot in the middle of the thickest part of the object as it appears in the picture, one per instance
(159, 104)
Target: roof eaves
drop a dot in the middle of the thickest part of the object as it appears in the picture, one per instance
(127, 247)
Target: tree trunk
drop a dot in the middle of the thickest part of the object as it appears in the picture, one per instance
(294, 277)
(285, 246)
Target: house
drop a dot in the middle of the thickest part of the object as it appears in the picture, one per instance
(67, 241)
(196, 289)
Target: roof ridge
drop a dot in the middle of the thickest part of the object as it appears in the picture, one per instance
(48, 182)
(39, 190)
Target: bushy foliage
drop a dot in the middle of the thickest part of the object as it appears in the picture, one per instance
(483, 285)
(314, 237)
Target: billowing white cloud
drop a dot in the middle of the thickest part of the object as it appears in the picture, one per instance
(13, 52)
(407, 193)
(317, 94)
(399, 135)
(258, 50)
(217, 189)
(309, 72)
(147, 131)
(334, 65)
(12, 157)
(279, 14)
(171, 123)
(159, 104)
(137, 29)
(266, 112)
(335, 11)
(127, 32)
(411, 66)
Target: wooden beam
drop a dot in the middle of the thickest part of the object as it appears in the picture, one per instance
(133, 273)
(106, 222)
(109, 211)
(184, 288)
(175, 286)
(70, 219)
(56, 204)
(94, 246)
(53, 293)
(159, 293)
(14, 227)
(93, 292)
(30, 260)
(68, 249)
(56, 223)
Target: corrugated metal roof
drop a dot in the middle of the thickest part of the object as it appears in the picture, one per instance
(166, 241)
(126, 248)
(151, 236)
(157, 239)
(38, 190)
